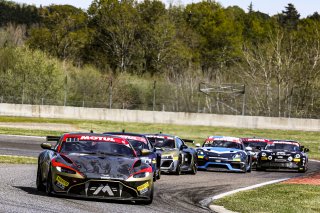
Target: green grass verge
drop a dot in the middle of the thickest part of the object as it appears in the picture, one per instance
(278, 198)
(198, 133)
(17, 159)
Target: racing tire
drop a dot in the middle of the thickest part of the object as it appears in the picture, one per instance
(158, 174)
(178, 169)
(148, 201)
(250, 168)
(194, 169)
(302, 170)
(40, 186)
(49, 184)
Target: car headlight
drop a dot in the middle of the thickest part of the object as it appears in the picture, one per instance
(65, 170)
(270, 157)
(141, 175)
(238, 155)
(200, 152)
(263, 154)
(297, 156)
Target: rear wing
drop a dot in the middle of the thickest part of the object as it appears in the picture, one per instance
(53, 138)
(188, 140)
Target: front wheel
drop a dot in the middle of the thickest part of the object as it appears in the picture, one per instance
(40, 186)
(49, 184)
(178, 169)
(148, 201)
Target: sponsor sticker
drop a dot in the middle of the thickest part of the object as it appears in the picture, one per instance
(61, 183)
(143, 188)
(296, 160)
(200, 156)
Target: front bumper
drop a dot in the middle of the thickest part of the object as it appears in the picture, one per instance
(295, 164)
(168, 165)
(102, 189)
(220, 164)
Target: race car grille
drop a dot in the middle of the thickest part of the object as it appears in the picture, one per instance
(283, 165)
(166, 163)
(236, 165)
(103, 189)
(217, 166)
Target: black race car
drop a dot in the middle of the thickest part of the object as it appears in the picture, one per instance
(140, 142)
(283, 154)
(176, 156)
(94, 166)
(257, 144)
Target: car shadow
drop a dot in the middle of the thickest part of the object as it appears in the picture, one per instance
(34, 191)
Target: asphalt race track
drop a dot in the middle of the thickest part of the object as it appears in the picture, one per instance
(172, 193)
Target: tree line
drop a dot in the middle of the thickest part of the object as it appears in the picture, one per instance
(124, 46)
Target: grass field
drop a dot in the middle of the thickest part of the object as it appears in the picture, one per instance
(17, 159)
(280, 198)
(198, 133)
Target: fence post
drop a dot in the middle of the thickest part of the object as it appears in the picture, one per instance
(41, 101)
(65, 91)
(154, 95)
(110, 94)
(244, 100)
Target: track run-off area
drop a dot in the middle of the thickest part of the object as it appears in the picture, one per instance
(173, 193)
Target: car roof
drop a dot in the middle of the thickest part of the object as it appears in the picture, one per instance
(94, 137)
(255, 139)
(226, 138)
(125, 133)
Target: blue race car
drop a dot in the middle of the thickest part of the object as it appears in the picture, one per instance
(224, 153)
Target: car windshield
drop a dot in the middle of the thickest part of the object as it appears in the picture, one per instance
(95, 147)
(138, 145)
(163, 143)
(222, 143)
(283, 146)
(255, 145)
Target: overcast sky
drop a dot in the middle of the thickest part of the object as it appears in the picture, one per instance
(271, 7)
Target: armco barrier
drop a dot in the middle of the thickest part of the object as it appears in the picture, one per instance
(238, 121)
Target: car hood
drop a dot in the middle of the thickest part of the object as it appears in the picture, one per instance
(103, 166)
(169, 151)
(220, 150)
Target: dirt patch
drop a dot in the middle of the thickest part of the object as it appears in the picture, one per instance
(313, 179)
(41, 126)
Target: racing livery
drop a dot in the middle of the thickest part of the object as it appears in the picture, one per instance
(283, 154)
(257, 144)
(94, 166)
(140, 142)
(224, 153)
(176, 156)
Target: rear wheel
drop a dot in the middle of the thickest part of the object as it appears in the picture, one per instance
(159, 174)
(39, 183)
(194, 169)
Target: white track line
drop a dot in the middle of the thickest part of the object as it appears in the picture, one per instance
(207, 201)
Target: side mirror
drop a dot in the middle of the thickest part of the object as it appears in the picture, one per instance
(198, 145)
(183, 147)
(248, 149)
(145, 152)
(46, 146)
(306, 150)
